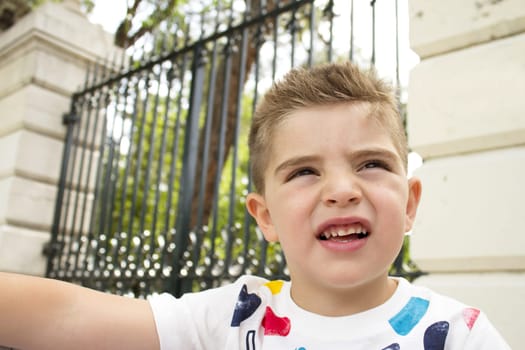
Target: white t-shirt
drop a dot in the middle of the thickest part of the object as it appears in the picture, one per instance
(254, 313)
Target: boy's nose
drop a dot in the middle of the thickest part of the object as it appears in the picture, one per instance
(342, 192)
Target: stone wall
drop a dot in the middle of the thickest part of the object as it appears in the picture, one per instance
(466, 118)
(43, 60)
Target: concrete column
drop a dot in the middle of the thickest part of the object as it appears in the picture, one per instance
(43, 60)
(466, 119)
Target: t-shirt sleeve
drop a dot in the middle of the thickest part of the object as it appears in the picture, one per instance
(173, 323)
(484, 336)
(197, 320)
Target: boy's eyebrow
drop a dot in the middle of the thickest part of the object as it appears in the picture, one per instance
(376, 152)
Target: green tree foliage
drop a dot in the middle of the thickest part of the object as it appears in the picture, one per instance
(143, 17)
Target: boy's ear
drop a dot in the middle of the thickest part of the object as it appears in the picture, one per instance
(414, 195)
(256, 205)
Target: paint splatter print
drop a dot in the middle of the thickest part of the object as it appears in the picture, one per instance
(409, 316)
(245, 307)
(257, 314)
(470, 315)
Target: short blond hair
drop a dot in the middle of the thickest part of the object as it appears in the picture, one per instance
(321, 85)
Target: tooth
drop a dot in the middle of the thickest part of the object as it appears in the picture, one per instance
(344, 231)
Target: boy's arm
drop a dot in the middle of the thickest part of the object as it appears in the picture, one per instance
(38, 313)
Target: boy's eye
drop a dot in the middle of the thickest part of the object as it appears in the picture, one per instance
(371, 164)
(301, 172)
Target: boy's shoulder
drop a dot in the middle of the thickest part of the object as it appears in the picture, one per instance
(208, 318)
(426, 300)
(439, 300)
(441, 315)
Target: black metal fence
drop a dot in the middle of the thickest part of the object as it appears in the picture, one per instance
(155, 164)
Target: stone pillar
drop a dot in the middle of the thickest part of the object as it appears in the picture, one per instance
(43, 60)
(466, 118)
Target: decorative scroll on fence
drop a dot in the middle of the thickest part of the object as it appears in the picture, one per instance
(155, 165)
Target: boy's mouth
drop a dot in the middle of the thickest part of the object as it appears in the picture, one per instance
(343, 233)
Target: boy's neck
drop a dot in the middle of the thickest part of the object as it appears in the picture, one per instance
(335, 302)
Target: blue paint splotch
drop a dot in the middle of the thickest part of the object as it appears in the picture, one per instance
(435, 336)
(409, 316)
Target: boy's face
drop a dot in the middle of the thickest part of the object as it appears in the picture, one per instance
(336, 197)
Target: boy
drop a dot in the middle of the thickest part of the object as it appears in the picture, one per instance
(329, 158)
